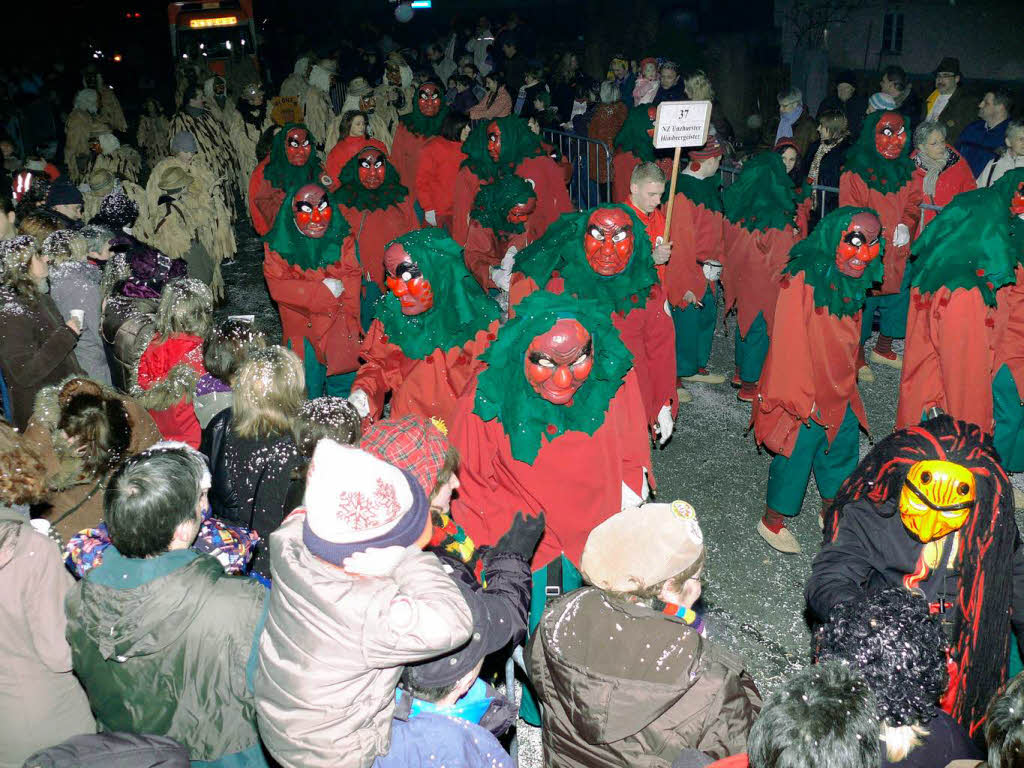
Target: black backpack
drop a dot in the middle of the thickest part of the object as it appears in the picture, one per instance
(112, 750)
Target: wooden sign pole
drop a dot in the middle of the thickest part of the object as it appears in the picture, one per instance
(672, 192)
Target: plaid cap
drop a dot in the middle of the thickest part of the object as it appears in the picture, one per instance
(410, 443)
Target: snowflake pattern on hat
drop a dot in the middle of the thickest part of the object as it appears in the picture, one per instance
(359, 511)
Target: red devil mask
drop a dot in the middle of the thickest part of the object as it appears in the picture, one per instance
(1017, 203)
(559, 361)
(652, 113)
(608, 242)
(405, 280)
(890, 135)
(494, 141)
(297, 147)
(372, 167)
(859, 245)
(520, 212)
(311, 210)
(429, 99)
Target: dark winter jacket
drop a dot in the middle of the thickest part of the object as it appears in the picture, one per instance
(854, 108)
(76, 285)
(979, 144)
(112, 750)
(960, 110)
(36, 348)
(250, 485)
(624, 685)
(945, 741)
(167, 645)
(872, 550)
(507, 595)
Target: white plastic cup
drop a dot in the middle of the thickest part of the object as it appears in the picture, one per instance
(79, 315)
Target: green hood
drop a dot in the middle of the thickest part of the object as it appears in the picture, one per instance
(763, 196)
(283, 175)
(885, 176)
(503, 392)
(352, 193)
(285, 239)
(633, 136)
(815, 256)
(706, 192)
(419, 124)
(518, 142)
(493, 202)
(967, 245)
(460, 310)
(561, 249)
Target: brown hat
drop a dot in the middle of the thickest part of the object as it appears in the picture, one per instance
(358, 87)
(174, 177)
(639, 548)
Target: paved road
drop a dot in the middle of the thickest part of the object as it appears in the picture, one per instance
(753, 596)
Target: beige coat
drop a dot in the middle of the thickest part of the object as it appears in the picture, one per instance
(41, 702)
(334, 647)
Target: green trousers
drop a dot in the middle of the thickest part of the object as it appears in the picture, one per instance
(752, 349)
(1009, 417)
(571, 579)
(318, 383)
(892, 315)
(788, 476)
(366, 309)
(695, 328)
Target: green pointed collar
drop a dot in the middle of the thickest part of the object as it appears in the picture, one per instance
(493, 202)
(353, 194)
(518, 142)
(633, 136)
(763, 196)
(285, 239)
(279, 172)
(879, 173)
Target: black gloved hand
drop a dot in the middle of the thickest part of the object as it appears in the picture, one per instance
(522, 536)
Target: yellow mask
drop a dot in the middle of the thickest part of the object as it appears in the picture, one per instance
(936, 499)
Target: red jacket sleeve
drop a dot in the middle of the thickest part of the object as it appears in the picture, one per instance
(466, 186)
(628, 409)
(480, 253)
(852, 190)
(381, 370)
(965, 357)
(428, 182)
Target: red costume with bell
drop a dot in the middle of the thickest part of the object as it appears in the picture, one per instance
(422, 346)
(377, 208)
(313, 275)
(498, 147)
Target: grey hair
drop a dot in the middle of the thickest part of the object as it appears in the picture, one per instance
(925, 130)
(610, 92)
(646, 172)
(1015, 127)
(792, 94)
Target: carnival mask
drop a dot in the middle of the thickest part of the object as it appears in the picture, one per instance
(406, 281)
(372, 167)
(860, 244)
(520, 212)
(297, 147)
(608, 242)
(494, 141)
(311, 210)
(1017, 202)
(559, 361)
(367, 103)
(890, 135)
(936, 499)
(429, 99)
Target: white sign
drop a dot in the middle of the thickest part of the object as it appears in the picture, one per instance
(682, 124)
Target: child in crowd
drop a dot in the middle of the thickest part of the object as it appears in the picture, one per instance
(631, 640)
(327, 416)
(228, 346)
(172, 361)
(646, 82)
(355, 599)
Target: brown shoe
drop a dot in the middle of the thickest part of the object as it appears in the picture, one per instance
(865, 375)
(703, 376)
(782, 540)
(891, 359)
(683, 395)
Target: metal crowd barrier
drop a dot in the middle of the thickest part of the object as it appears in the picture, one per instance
(584, 153)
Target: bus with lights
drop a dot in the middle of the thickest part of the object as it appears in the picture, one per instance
(217, 33)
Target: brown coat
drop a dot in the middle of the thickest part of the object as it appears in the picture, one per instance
(74, 500)
(36, 348)
(623, 685)
(41, 702)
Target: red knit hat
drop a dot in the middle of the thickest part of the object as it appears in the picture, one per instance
(785, 143)
(712, 148)
(411, 443)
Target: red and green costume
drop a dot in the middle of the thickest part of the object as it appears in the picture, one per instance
(521, 154)
(425, 361)
(634, 298)
(887, 187)
(273, 175)
(1008, 382)
(762, 211)
(634, 144)
(376, 216)
(698, 235)
(807, 408)
(414, 130)
(965, 267)
(322, 329)
(491, 234)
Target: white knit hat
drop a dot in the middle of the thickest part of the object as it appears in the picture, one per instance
(355, 501)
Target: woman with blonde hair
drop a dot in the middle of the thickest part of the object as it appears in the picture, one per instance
(164, 380)
(37, 345)
(253, 470)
